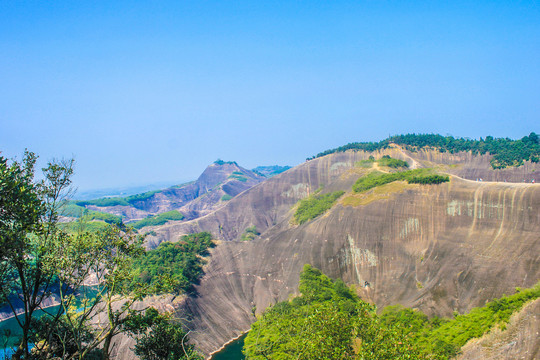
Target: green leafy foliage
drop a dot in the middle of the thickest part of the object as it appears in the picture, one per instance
(445, 338)
(221, 162)
(250, 233)
(428, 179)
(174, 267)
(392, 163)
(315, 205)
(134, 199)
(159, 219)
(159, 336)
(506, 152)
(329, 321)
(75, 227)
(416, 176)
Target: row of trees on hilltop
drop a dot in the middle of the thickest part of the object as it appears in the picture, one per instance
(38, 260)
(506, 152)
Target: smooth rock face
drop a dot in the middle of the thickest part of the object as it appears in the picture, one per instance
(440, 248)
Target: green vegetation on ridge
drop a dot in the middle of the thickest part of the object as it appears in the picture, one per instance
(159, 219)
(132, 200)
(416, 176)
(506, 152)
(174, 267)
(71, 209)
(329, 321)
(315, 205)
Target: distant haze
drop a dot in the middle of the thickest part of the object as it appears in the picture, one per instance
(151, 92)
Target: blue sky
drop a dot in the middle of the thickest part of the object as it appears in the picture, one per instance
(149, 91)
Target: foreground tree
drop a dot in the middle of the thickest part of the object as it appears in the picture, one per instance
(89, 273)
(160, 337)
(28, 235)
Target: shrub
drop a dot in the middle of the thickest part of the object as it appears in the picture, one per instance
(226, 197)
(417, 176)
(392, 163)
(250, 233)
(315, 205)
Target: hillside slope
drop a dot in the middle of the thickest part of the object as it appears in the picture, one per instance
(219, 182)
(520, 339)
(441, 248)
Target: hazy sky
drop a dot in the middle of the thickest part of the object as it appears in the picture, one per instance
(147, 91)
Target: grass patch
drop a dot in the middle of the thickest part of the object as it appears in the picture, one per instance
(75, 227)
(250, 233)
(365, 164)
(237, 177)
(112, 201)
(158, 219)
(315, 205)
(226, 197)
(379, 193)
(417, 176)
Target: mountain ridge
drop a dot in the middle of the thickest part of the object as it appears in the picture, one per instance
(422, 216)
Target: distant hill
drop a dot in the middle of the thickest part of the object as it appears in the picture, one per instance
(121, 191)
(220, 182)
(269, 171)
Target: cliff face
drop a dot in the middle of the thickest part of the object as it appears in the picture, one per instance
(440, 248)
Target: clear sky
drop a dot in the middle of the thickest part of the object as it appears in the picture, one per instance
(147, 91)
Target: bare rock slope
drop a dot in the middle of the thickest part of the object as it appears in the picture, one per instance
(440, 248)
(218, 183)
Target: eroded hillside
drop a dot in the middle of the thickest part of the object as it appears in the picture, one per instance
(440, 248)
(220, 182)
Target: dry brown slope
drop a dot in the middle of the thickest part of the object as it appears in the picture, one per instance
(440, 248)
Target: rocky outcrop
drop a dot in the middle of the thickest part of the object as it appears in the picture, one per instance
(440, 248)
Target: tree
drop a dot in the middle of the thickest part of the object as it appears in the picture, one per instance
(160, 337)
(28, 234)
(93, 316)
(39, 261)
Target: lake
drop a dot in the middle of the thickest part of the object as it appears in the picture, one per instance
(13, 327)
(233, 351)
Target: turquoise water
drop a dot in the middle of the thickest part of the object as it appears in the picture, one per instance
(232, 351)
(11, 326)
